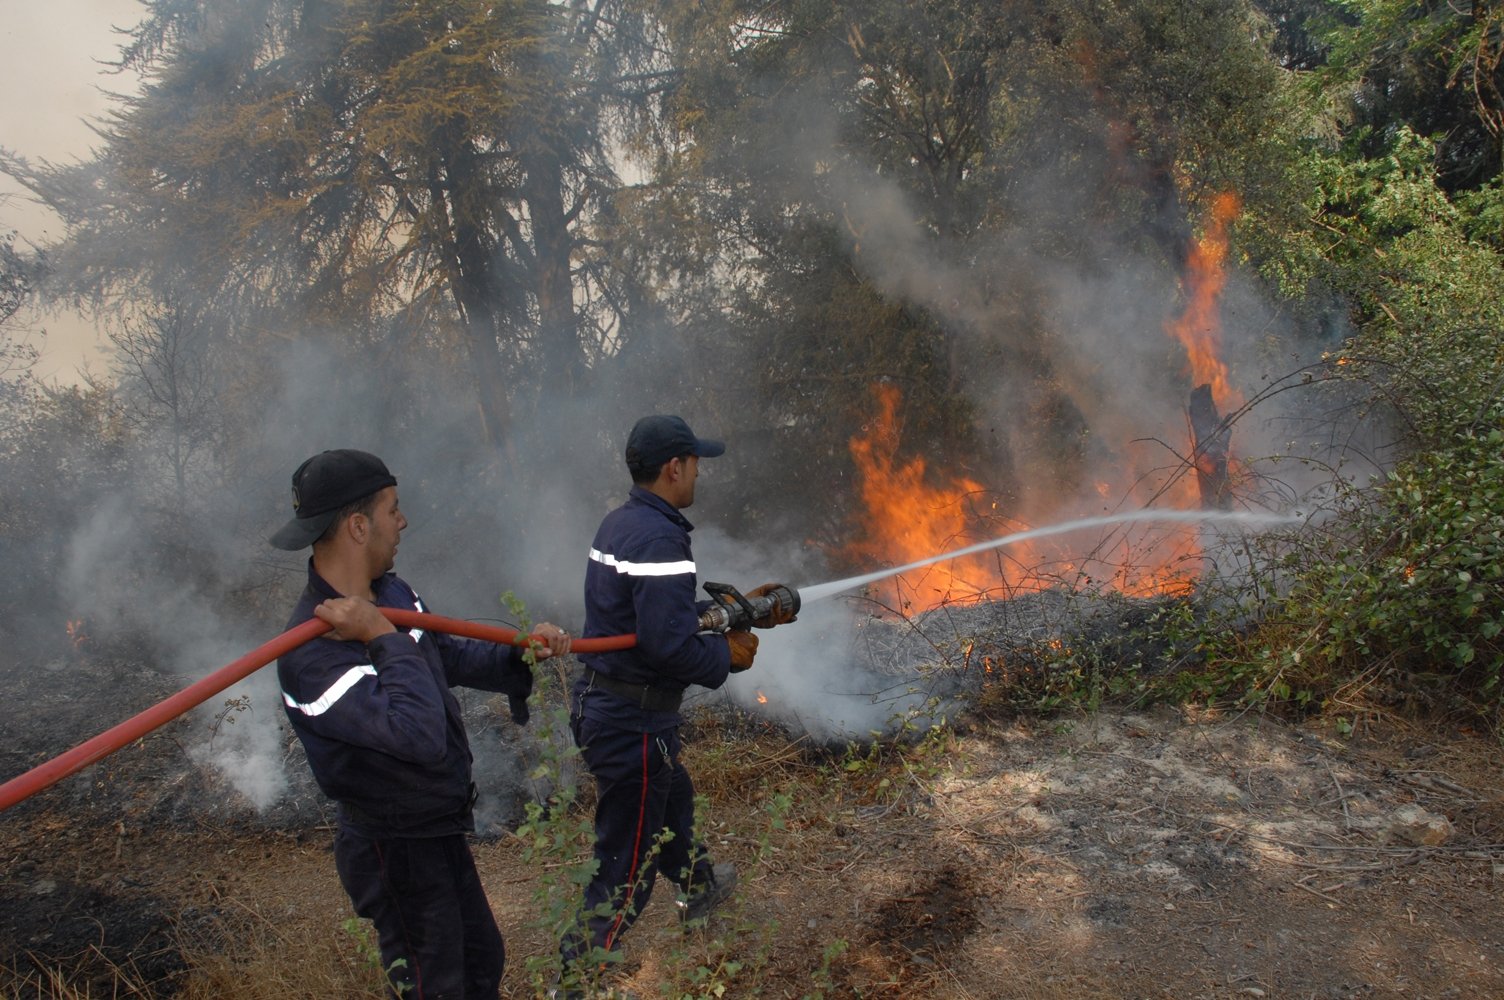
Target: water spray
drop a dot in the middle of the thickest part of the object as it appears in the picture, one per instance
(824, 590)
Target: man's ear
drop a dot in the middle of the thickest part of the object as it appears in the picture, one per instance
(358, 525)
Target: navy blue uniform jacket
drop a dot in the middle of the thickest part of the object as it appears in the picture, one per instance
(641, 578)
(383, 732)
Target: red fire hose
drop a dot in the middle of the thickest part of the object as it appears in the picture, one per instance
(107, 742)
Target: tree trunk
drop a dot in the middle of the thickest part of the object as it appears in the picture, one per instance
(1211, 439)
(472, 284)
(563, 362)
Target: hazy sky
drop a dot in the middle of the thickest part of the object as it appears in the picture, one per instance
(51, 77)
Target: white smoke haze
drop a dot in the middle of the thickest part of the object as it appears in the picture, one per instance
(808, 675)
(1097, 311)
(1105, 316)
(118, 584)
(815, 681)
(246, 737)
(479, 527)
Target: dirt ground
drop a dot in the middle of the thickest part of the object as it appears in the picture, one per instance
(1122, 854)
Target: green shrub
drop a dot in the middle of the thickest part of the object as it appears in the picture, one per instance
(1399, 579)
(1416, 585)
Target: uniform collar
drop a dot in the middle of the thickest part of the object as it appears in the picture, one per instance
(646, 496)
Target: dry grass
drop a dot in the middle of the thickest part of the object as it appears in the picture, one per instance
(47, 981)
(1015, 861)
(270, 956)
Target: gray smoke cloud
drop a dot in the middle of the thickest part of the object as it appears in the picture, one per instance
(1058, 290)
(479, 528)
(803, 675)
(1100, 320)
(120, 584)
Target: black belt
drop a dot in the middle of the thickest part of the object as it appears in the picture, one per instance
(649, 698)
(361, 818)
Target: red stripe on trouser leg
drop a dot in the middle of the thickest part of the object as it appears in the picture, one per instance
(410, 953)
(642, 812)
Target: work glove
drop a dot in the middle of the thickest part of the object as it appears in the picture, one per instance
(779, 615)
(743, 648)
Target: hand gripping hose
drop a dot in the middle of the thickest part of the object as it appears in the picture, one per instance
(107, 742)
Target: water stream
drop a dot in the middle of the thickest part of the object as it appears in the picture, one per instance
(808, 595)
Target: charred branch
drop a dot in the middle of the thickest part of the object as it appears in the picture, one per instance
(1211, 438)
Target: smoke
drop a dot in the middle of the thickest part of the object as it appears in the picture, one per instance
(246, 741)
(122, 583)
(810, 676)
(1055, 317)
(806, 678)
(1057, 330)
(1089, 319)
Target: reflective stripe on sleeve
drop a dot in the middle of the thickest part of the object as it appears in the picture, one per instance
(336, 691)
(417, 633)
(643, 568)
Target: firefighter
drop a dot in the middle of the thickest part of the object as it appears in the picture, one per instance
(640, 578)
(384, 735)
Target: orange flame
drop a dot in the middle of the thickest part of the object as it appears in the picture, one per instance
(910, 514)
(907, 516)
(762, 699)
(76, 633)
(1199, 327)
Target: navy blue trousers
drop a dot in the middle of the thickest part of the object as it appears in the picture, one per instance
(641, 791)
(425, 898)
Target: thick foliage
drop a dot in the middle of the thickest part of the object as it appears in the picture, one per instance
(905, 192)
(1403, 582)
(1418, 584)
(348, 164)
(1433, 67)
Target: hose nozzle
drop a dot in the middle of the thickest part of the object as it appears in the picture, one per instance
(734, 610)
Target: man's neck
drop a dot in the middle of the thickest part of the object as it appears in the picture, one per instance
(660, 489)
(348, 576)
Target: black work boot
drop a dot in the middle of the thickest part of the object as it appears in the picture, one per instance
(705, 896)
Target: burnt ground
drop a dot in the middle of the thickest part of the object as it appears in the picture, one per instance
(1155, 853)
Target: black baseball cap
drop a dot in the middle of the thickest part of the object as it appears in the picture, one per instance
(322, 486)
(656, 439)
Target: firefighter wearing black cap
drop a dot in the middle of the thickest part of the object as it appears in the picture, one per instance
(384, 736)
(640, 578)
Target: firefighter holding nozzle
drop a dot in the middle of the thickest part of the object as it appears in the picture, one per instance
(640, 578)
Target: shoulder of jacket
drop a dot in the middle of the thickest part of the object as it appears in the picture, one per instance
(396, 591)
(655, 535)
(320, 656)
